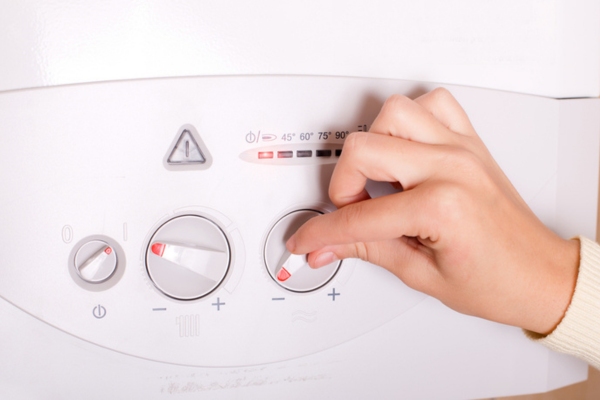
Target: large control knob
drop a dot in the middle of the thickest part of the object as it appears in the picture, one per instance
(188, 257)
(291, 271)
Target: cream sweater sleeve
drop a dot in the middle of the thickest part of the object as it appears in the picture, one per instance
(579, 331)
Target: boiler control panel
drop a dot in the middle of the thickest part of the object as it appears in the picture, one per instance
(150, 217)
(156, 219)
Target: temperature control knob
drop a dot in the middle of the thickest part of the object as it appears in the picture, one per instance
(291, 271)
(188, 257)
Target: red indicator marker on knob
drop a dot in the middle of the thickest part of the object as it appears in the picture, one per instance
(283, 275)
(158, 249)
(93, 265)
(196, 259)
(289, 264)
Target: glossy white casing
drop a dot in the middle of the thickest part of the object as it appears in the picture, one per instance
(543, 47)
(81, 160)
(87, 160)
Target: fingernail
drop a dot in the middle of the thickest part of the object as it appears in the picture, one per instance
(324, 259)
(291, 244)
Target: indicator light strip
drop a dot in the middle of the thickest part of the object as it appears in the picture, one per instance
(265, 154)
(262, 155)
(304, 153)
(285, 154)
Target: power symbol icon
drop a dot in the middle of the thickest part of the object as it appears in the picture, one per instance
(99, 311)
(251, 137)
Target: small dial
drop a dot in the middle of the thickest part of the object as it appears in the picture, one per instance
(95, 261)
(188, 257)
(291, 271)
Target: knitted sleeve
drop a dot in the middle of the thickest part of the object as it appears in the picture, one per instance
(579, 331)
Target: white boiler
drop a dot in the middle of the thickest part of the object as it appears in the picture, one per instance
(155, 156)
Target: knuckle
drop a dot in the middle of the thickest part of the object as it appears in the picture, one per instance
(464, 163)
(355, 142)
(334, 195)
(362, 251)
(458, 194)
(441, 95)
(339, 197)
(394, 104)
(474, 169)
(449, 204)
(350, 216)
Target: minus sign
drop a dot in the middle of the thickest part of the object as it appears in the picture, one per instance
(159, 309)
(277, 298)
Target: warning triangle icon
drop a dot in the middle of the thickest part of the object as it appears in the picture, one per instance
(187, 151)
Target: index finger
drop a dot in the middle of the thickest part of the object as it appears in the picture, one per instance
(386, 217)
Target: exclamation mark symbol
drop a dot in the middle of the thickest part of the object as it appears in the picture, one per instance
(186, 151)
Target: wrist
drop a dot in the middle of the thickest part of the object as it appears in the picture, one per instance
(576, 332)
(554, 296)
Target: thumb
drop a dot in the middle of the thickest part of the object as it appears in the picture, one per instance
(404, 257)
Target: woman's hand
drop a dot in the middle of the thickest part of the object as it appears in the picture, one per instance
(458, 231)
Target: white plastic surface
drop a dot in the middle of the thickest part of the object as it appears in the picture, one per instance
(46, 363)
(101, 147)
(545, 47)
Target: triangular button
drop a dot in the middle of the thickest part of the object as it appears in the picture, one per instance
(186, 150)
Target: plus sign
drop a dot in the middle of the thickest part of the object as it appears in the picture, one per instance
(218, 304)
(333, 294)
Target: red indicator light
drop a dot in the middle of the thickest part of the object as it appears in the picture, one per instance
(108, 250)
(265, 154)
